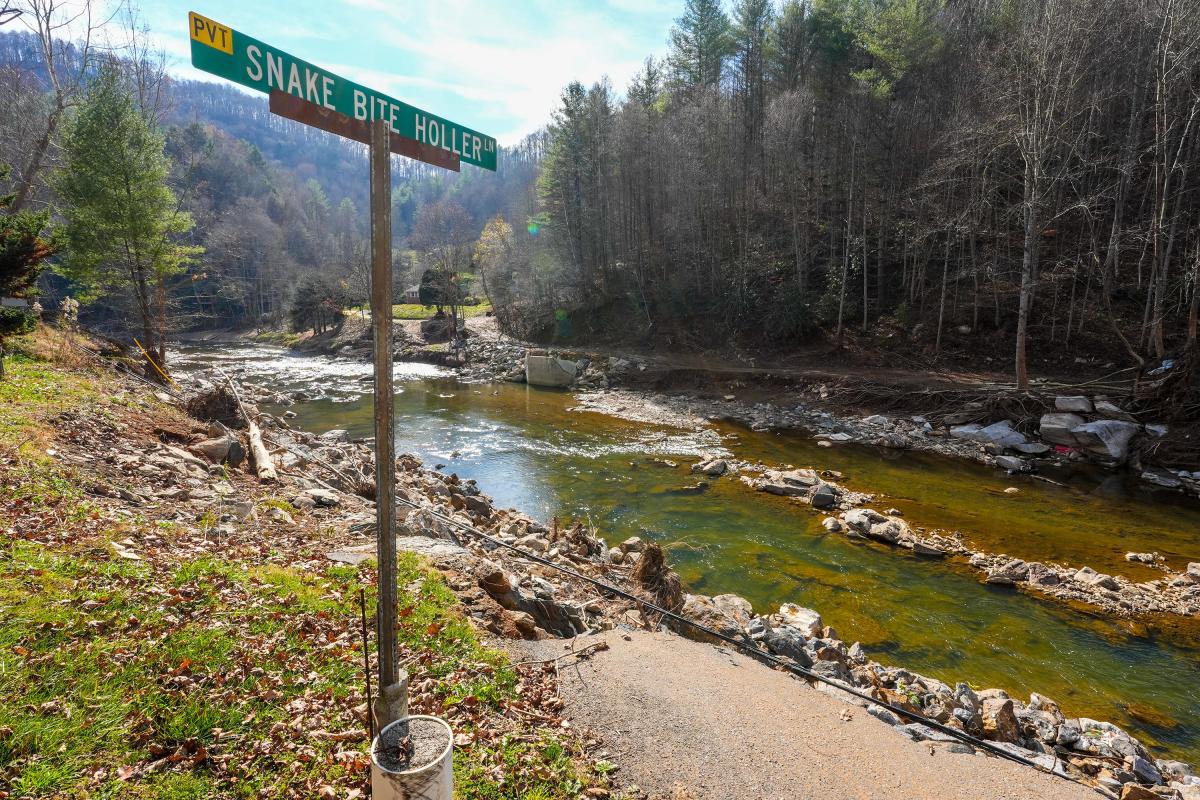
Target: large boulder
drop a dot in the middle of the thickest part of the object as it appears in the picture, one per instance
(890, 531)
(714, 468)
(788, 641)
(823, 496)
(220, 450)
(549, 371)
(861, 519)
(1001, 433)
(1089, 577)
(1039, 725)
(1057, 428)
(736, 607)
(1106, 438)
(1008, 573)
(721, 617)
(969, 431)
(1012, 463)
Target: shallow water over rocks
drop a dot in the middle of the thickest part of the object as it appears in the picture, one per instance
(529, 450)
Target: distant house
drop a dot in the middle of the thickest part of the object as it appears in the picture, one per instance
(413, 294)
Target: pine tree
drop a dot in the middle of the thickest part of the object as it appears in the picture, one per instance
(788, 47)
(700, 43)
(24, 248)
(122, 220)
(752, 21)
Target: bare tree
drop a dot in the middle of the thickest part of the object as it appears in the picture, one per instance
(68, 36)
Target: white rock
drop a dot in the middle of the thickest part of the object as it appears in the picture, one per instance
(1107, 438)
(805, 619)
(633, 544)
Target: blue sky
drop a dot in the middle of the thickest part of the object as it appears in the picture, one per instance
(497, 66)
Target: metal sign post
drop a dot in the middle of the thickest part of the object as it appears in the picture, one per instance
(392, 692)
(314, 96)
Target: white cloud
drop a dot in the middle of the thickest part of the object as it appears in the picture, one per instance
(518, 63)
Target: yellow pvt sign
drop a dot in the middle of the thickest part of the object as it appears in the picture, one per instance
(211, 33)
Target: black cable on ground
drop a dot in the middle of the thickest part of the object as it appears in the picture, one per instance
(765, 657)
(760, 655)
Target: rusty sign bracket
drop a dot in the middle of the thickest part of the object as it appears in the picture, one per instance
(300, 110)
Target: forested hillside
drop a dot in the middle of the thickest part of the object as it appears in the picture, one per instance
(276, 206)
(988, 180)
(1016, 174)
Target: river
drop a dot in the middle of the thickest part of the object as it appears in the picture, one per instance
(529, 450)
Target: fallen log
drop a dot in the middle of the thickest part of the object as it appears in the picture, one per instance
(264, 467)
(260, 457)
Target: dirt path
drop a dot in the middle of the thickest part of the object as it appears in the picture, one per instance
(674, 713)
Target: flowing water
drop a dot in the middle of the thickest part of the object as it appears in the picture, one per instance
(529, 450)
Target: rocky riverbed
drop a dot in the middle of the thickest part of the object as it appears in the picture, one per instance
(1073, 428)
(1079, 428)
(1173, 593)
(514, 596)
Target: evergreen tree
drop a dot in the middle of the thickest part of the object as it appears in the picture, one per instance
(646, 88)
(899, 37)
(23, 249)
(752, 20)
(319, 303)
(122, 220)
(787, 52)
(700, 43)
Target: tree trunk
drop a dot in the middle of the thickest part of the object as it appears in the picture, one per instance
(34, 166)
(1028, 265)
(937, 344)
(1193, 308)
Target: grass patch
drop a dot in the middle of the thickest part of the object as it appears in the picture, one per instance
(200, 673)
(417, 311)
(32, 394)
(283, 338)
(107, 667)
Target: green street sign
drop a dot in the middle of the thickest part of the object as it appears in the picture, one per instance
(233, 55)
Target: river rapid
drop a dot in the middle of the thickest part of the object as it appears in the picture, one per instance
(530, 450)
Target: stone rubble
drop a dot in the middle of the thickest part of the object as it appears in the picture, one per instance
(1174, 593)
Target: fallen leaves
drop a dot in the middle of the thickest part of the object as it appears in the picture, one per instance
(208, 619)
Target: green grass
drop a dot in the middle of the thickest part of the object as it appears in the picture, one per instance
(417, 311)
(32, 394)
(111, 667)
(105, 663)
(284, 338)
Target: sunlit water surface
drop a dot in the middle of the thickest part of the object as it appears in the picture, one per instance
(528, 449)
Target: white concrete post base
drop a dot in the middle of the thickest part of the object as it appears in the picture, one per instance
(392, 702)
